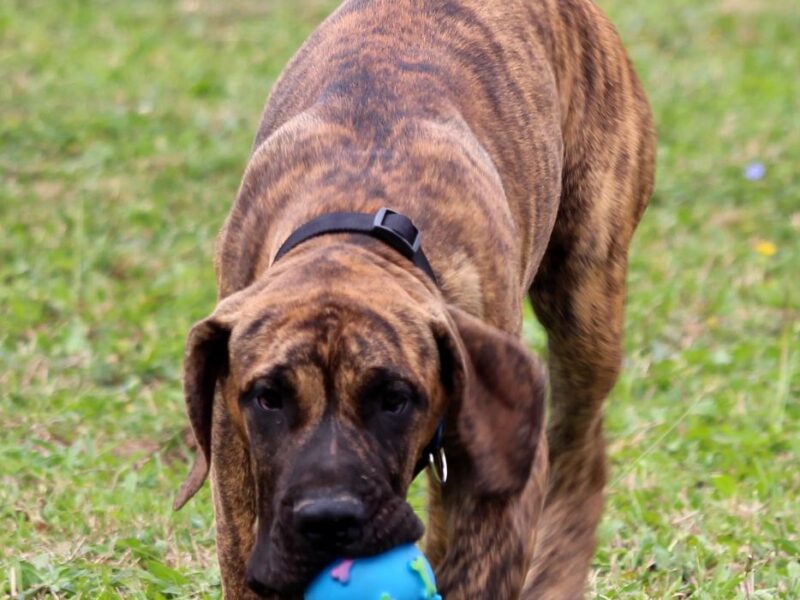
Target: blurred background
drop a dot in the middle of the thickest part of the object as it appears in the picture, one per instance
(124, 130)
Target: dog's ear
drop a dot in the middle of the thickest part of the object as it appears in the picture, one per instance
(497, 393)
(205, 363)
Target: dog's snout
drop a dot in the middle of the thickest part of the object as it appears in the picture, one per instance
(333, 519)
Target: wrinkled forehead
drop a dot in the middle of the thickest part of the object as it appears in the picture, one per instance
(347, 336)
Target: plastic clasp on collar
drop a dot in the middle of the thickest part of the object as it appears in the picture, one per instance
(396, 238)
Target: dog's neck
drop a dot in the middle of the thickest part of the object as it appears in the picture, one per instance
(349, 261)
(435, 172)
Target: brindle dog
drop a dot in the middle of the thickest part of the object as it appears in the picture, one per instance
(515, 134)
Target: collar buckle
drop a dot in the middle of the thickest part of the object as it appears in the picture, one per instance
(403, 235)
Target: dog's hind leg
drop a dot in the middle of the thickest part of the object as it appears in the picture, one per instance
(579, 295)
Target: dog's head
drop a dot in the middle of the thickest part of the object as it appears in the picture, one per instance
(337, 384)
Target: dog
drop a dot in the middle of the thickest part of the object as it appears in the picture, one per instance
(514, 146)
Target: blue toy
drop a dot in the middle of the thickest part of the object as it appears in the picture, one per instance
(402, 573)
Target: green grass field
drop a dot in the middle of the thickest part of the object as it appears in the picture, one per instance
(124, 130)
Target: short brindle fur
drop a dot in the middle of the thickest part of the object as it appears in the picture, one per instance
(516, 136)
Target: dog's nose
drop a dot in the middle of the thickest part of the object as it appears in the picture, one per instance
(332, 520)
(257, 586)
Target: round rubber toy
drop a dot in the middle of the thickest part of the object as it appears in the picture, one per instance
(402, 573)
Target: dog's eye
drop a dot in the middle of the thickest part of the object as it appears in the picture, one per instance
(268, 400)
(385, 393)
(394, 403)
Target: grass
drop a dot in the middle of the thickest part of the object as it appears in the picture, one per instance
(124, 129)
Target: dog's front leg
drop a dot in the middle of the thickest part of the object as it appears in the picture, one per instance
(234, 505)
(482, 548)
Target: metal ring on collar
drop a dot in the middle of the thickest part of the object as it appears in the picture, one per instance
(439, 468)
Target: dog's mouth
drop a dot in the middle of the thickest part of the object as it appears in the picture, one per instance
(283, 563)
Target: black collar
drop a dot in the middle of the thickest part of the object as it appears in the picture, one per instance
(393, 229)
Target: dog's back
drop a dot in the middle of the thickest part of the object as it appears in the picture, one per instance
(433, 108)
(444, 106)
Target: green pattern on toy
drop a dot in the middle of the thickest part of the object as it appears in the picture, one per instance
(420, 566)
